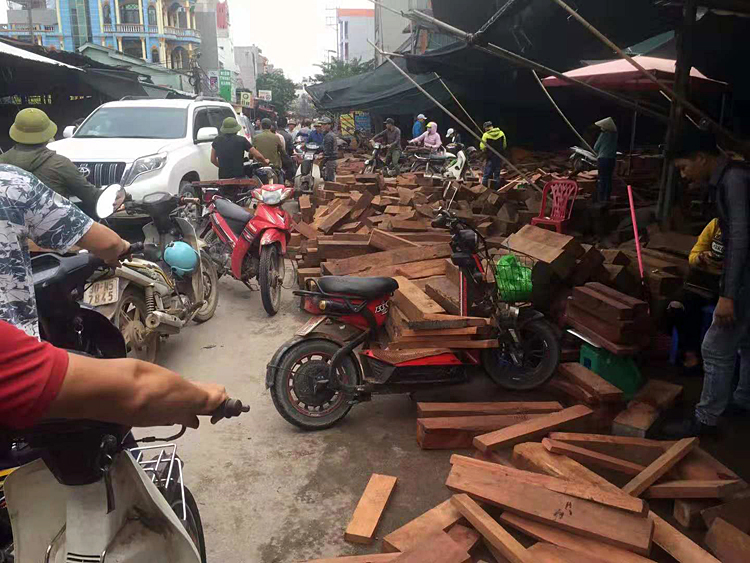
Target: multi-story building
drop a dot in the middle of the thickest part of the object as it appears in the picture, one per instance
(158, 31)
(250, 64)
(392, 31)
(355, 30)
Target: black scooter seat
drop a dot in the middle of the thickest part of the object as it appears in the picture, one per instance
(230, 210)
(366, 288)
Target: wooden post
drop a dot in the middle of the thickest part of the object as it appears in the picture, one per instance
(677, 113)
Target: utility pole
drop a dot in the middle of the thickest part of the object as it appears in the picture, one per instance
(29, 6)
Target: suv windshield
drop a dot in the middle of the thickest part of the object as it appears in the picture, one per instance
(135, 123)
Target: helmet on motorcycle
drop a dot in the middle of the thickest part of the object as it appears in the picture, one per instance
(451, 131)
(181, 258)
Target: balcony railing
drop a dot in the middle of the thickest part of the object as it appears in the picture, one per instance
(124, 28)
(182, 32)
(24, 28)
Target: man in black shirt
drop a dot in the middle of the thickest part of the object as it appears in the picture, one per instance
(228, 151)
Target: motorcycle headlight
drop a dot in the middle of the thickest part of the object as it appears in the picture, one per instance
(272, 197)
(144, 165)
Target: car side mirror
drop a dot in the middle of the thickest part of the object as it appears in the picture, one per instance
(206, 134)
(68, 131)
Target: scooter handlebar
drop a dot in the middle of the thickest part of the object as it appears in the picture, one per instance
(229, 409)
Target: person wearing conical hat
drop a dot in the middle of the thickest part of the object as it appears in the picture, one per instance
(606, 153)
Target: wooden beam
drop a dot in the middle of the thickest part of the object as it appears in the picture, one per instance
(579, 490)
(548, 553)
(370, 508)
(736, 512)
(728, 543)
(593, 383)
(574, 542)
(414, 302)
(679, 546)
(637, 450)
(442, 433)
(388, 258)
(429, 410)
(694, 489)
(372, 558)
(492, 532)
(660, 467)
(466, 538)
(439, 518)
(587, 456)
(436, 548)
(383, 240)
(583, 517)
(534, 457)
(532, 429)
(687, 512)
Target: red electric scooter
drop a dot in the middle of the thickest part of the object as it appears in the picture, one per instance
(316, 377)
(251, 245)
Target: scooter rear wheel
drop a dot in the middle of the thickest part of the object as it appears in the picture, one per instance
(293, 394)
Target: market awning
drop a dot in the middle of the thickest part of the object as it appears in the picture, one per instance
(383, 90)
(16, 53)
(621, 75)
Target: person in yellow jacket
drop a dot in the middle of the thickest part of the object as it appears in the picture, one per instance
(701, 289)
(495, 138)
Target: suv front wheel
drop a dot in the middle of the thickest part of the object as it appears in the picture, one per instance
(193, 212)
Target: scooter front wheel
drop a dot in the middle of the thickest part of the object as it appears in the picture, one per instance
(528, 364)
(270, 278)
(299, 393)
(369, 169)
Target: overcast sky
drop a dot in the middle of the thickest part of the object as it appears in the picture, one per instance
(291, 33)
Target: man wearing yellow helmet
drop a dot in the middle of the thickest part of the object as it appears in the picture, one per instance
(31, 131)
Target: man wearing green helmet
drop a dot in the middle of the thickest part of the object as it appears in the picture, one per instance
(228, 151)
(31, 131)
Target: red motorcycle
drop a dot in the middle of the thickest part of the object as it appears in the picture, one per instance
(316, 377)
(249, 244)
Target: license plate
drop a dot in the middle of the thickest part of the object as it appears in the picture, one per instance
(102, 292)
(309, 156)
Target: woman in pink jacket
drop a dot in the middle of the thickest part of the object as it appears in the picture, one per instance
(430, 138)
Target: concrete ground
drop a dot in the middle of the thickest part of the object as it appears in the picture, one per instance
(270, 493)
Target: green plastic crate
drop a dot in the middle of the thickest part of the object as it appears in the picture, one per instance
(619, 371)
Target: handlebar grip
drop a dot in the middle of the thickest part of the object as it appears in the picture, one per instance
(135, 248)
(230, 409)
(440, 221)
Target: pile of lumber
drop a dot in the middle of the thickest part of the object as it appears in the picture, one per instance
(541, 489)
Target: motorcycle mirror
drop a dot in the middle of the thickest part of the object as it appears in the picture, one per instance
(107, 203)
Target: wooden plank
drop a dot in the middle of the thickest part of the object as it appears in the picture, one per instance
(532, 429)
(383, 240)
(305, 230)
(593, 458)
(561, 261)
(598, 386)
(439, 518)
(389, 258)
(402, 224)
(436, 548)
(579, 544)
(572, 392)
(370, 508)
(659, 394)
(736, 512)
(492, 532)
(443, 343)
(616, 349)
(413, 270)
(635, 420)
(693, 489)
(583, 517)
(601, 305)
(445, 293)
(687, 512)
(727, 542)
(548, 553)
(699, 464)
(553, 239)
(638, 450)
(679, 546)
(414, 302)
(586, 491)
(443, 433)
(337, 249)
(372, 558)
(619, 332)
(438, 322)
(428, 410)
(361, 205)
(397, 209)
(639, 307)
(660, 466)
(466, 538)
(335, 218)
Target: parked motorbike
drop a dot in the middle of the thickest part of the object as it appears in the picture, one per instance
(433, 163)
(96, 494)
(308, 175)
(315, 378)
(174, 282)
(249, 245)
(455, 172)
(582, 160)
(376, 163)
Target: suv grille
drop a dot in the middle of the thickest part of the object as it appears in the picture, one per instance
(102, 174)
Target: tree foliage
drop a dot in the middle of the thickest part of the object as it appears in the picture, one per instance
(338, 68)
(283, 90)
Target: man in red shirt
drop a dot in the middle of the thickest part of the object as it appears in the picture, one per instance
(39, 381)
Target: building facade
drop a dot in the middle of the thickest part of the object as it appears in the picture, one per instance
(250, 64)
(158, 31)
(393, 30)
(355, 29)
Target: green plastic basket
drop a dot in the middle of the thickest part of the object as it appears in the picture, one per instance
(622, 372)
(513, 278)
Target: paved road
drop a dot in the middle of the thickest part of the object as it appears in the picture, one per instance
(270, 493)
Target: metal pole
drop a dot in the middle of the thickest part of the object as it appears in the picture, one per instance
(565, 119)
(632, 142)
(459, 103)
(456, 119)
(494, 50)
(493, 20)
(690, 5)
(29, 5)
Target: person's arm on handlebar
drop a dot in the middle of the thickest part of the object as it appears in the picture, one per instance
(257, 155)
(104, 243)
(133, 393)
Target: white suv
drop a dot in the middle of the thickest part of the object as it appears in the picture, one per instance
(147, 145)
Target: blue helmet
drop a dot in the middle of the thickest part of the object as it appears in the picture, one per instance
(182, 258)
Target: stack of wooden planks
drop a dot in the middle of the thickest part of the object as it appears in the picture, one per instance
(535, 491)
(615, 321)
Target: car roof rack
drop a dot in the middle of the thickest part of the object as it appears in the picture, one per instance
(210, 99)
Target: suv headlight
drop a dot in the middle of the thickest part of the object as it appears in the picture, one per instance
(143, 165)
